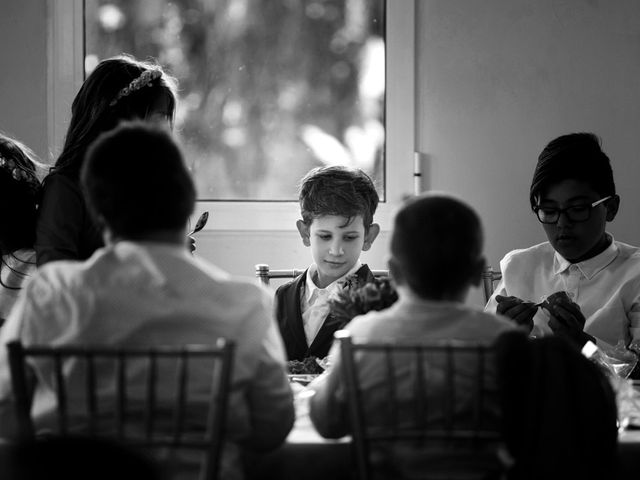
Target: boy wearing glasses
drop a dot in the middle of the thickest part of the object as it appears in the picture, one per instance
(573, 196)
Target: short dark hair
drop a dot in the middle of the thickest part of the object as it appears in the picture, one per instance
(436, 244)
(135, 179)
(576, 156)
(338, 190)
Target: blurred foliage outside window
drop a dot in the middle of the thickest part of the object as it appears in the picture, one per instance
(268, 89)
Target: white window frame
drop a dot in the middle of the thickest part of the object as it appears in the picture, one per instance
(65, 76)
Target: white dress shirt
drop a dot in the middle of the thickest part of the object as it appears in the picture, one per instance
(314, 303)
(411, 320)
(606, 287)
(134, 293)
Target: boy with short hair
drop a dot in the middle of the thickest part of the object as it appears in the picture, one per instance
(337, 206)
(573, 195)
(145, 289)
(436, 256)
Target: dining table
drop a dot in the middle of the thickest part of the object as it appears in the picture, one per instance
(305, 455)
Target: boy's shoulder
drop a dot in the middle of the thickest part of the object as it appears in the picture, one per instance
(291, 285)
(628, 252)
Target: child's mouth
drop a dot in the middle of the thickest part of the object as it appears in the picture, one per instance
(563, 239)
(334, 264)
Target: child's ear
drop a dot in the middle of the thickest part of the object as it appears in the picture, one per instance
(303, 228)
(476, 272)
(613, 204)
(395, 271)
(370, 236)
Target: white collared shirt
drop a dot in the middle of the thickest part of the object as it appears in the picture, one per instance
(134, 293)
(606, 287)
(314, 302)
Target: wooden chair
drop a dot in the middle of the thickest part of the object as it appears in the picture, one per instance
(136, 411)
(489, 278)
(265, 274)
(432, 410)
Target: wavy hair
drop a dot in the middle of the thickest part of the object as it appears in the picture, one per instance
(98, 107)
(19, 195)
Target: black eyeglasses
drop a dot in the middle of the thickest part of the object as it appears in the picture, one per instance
(575, 213)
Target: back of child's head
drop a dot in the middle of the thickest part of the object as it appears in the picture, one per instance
(576, 156)
(19, 190)
(119, 88)
(136, 182)
(338, 190)
(436, 245)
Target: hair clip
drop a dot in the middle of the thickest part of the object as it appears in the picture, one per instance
(18, 173)
(144, 80)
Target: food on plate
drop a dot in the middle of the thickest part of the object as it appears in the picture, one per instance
(308, 366)
(552, 301)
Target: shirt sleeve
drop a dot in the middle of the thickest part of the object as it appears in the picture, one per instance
(269, 395)
(500, 289)
(634, 326)
(31, 308)
(328, 406)
(60, 221)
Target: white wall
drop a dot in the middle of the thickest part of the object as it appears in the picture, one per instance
(23, 69)
(498, 79)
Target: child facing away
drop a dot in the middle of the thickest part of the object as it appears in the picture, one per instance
(435, 257)
(573, 196)
(19, 190)
(337, 205)
(145, 289)
(120, 88)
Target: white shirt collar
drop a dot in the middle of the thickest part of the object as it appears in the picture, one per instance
(591, 266)
(311, 287)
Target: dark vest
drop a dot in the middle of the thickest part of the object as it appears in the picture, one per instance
(289, 317)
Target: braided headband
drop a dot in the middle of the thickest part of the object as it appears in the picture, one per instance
(19, 173)
(144, 80)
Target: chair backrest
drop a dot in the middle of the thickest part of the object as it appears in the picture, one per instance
(147, 397)
(559, 410)
(439, 398)
(265, 274)
(489, 278)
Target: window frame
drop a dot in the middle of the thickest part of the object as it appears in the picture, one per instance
(65, 76)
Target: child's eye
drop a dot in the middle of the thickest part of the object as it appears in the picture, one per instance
(579, 208)
(351, 238)
(324, 237)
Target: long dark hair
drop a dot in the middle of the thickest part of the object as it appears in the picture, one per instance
(19, 192)
(98, 107)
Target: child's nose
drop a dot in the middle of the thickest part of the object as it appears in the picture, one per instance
(564, 220)
(336, 249)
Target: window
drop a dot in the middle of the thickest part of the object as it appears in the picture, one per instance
(254, 118)
(265, 87)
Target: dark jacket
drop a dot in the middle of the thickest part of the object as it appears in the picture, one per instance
(289, 316)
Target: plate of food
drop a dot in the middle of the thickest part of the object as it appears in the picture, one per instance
(304, 371)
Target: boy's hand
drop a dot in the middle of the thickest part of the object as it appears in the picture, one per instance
(191, 243)
(518, 310)
(566, 320)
